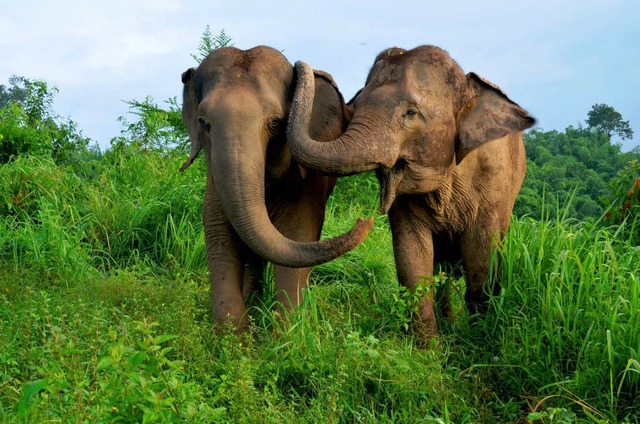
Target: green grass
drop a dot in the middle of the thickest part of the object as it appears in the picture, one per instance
(104, 313)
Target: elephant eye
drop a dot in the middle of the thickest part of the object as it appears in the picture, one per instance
(275, 125)
(410, 113)
(203, 124)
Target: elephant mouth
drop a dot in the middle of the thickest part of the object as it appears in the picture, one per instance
(389, 179)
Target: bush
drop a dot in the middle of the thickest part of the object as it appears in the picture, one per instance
(624, 201)
(28, 125)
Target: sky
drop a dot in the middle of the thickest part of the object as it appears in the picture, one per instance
(556, 58)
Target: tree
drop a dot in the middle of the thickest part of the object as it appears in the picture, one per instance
(28, 124)
(210, 42)
(155, 128)
(14, 93)
(623, 201)
(604, 118)
(570, 168)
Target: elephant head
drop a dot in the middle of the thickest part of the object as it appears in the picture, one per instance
(235, 105)
(414, 121)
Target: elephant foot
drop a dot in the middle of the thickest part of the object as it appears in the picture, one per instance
(425, 329)
(253, 298)
(477, 308)
(477, 302)
(237, 324)
(446, 309)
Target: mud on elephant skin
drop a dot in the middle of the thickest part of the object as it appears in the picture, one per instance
(448, 152)
(260, 204)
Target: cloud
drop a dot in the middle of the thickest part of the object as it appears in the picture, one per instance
(555, 58)
(73, 41)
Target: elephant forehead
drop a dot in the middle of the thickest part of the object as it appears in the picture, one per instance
(427, 76)
(412, 75)
(257, 60)
(244, 93)
(239, 106)
(260, 69)
(385, 72)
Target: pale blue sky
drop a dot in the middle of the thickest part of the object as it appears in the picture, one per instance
(555, 58)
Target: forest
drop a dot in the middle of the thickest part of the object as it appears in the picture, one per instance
(104, 297)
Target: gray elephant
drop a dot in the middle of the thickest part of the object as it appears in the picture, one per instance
(448, 152)
(260, 204)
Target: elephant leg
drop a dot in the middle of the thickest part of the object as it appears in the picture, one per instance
(290, 282)
(226, 266)
(414, 254)
(444, 297)
(446, 253)
(299, 218)
(253, 282)
(477, 246)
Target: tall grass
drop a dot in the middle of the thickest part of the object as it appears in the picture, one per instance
(138, 210)
(570, 314)
(105, 316)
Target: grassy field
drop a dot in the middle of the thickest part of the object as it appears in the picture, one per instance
(104, 315)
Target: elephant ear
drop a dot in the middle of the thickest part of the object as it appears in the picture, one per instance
(490, 114)
(330, 102)
(189, 112)
(353, 99)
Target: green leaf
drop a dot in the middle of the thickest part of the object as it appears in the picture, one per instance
(137, 358)
(163, 338)
(104, 363)
(28, 391)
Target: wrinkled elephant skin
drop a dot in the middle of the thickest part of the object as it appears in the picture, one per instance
(260, 204)
(448, 152)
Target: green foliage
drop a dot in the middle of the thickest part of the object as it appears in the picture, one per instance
(210, 42)
(603, 118)
(28, 125)
(39, 205)
(570, 168)
(569, 331)
(85, 265)
(138, 208)
(142, 384)
(14, 93)
(624, 201)
(154, 128)
(554, 415)
(17, 136)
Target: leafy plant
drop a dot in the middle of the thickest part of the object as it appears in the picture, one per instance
(571, 168)
(142, 384)
(28, 124)
(624, 201)
(606, 119)
(210, 42)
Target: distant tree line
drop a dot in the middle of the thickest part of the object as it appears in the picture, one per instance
(572, 170)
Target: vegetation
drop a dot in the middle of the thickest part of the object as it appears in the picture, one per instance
(210, 42)
(603, 118)
(573, 169)
(28, 125)
(105, 310)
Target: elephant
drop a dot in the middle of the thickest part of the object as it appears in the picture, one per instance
(260, 204)
(448, 153)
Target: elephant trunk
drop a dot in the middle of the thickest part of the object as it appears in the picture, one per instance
(238, 170)
(359, 149)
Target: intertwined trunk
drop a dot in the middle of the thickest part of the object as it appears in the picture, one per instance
(238, 169)
(359, 149)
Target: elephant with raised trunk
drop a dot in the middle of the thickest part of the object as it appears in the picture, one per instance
(260, 204)
(448, 152)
